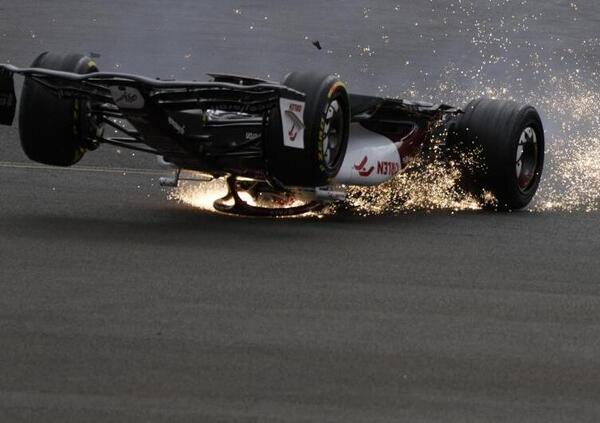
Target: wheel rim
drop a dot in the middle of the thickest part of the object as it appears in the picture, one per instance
(527, 159)
(333, 133)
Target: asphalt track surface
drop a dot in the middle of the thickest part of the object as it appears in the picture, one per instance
(119, 305)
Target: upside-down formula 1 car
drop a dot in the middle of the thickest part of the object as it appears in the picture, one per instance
(306, 138)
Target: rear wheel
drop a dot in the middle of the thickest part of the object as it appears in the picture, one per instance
(507, 141)
(326, 120)
(50, 127)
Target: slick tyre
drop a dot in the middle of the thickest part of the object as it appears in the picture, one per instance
(50, 127)
(507, 140)
(318, 158)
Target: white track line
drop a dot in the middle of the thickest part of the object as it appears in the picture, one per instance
(16, 165)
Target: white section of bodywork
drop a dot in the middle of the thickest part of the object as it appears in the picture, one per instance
(371, 158)
(292, 122)
(127, 97)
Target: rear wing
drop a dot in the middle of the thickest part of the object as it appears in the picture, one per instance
(133, 92)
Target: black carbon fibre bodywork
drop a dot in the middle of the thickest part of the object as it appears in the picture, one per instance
(218, 127)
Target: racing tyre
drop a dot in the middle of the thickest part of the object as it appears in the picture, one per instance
(50, 127)
(326, 123)
(508, 142)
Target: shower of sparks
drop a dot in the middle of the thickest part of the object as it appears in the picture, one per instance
(202, 195)
(572, 173)
(427, 185)
(563, 84)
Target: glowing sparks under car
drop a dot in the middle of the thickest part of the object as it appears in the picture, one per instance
(202, 196)
(563, 84)
(423, 187)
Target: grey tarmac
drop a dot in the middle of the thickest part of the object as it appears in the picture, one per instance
(119, 305)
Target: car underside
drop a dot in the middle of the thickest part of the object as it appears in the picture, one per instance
(305, 138)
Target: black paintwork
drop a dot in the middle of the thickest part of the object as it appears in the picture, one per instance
(177, 120)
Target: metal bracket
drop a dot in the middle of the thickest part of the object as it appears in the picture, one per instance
(329, 195)
(173, 181)
(170, 181)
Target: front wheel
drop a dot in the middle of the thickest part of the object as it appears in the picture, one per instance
(507, 143)
(308, 139)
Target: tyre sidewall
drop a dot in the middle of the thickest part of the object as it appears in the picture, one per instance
(49, 126)
(513, 196)
(307, 167)
(493, 129)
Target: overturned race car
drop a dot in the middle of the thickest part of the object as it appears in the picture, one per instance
(290, 147)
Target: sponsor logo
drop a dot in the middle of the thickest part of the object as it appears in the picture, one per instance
(251, 136)
(293, 133)
(292, 118)
(235, 107)
(383, 168)
(295, 108)
(388, 168)
(127, 97)
(361, 168)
